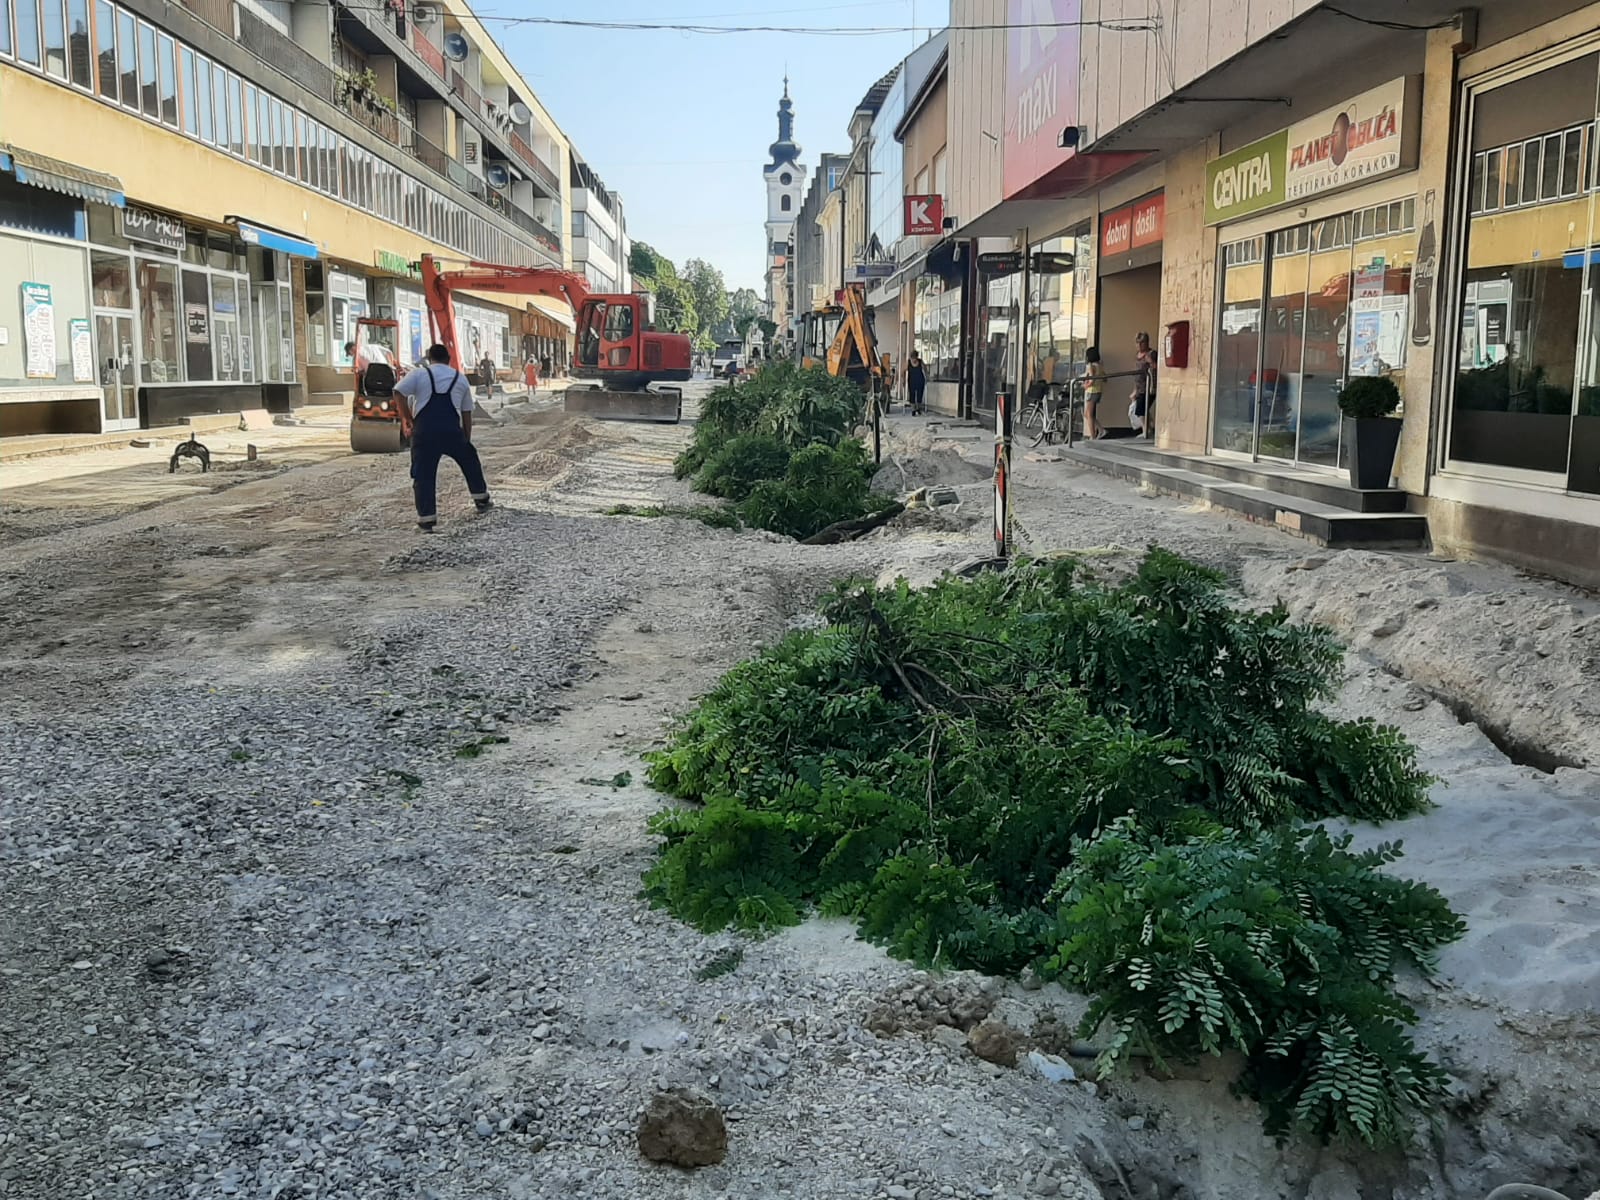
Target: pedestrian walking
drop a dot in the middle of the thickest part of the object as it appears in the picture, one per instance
(486, 375)
(1141, 402)
(530, 375)
(1094, 385)
(917, 383)
(440, 400)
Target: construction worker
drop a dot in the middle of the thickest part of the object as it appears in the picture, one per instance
(440, 400)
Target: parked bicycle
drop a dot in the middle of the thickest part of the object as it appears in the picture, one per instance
(1056, 415)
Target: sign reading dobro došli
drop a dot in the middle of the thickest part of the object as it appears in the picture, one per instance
(1367, 137)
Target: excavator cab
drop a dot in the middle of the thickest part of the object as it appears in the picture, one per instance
(377, 423)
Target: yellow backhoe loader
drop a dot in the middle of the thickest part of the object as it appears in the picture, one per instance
(840, 337)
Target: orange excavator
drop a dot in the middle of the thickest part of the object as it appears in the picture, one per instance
(618, 348)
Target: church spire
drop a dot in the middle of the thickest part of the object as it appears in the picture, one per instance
(784, 150)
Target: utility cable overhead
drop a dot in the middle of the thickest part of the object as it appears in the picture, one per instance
(1146, 25)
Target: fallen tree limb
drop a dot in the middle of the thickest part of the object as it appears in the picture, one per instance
(849, 531)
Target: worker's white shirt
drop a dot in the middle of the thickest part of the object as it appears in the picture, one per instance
(419, 386)
(370, 353)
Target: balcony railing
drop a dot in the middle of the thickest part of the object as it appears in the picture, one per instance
(534, 163)
(284, 53)
(501, 203)
(382, 121)
(428, 52)
(441, 163)
(468, 94)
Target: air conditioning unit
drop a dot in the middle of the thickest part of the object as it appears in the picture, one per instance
(423, 15)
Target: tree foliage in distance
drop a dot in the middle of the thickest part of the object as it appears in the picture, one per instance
(778, 440)
(710, 292)
(745, 309)
(654, 272)
(1104, 781)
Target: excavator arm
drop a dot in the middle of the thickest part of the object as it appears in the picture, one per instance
(439, 286)
(854, 352)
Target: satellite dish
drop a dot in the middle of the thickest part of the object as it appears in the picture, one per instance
(423, 15)
(498, 175)
(456, 48)
(521, 114)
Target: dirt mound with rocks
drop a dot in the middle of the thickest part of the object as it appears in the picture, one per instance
(935, 467)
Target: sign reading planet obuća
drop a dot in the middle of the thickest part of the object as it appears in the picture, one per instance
(1370, 136)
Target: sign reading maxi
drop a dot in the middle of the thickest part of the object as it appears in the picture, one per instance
(1368, 137)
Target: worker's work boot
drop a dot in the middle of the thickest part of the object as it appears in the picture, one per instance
(484, 505)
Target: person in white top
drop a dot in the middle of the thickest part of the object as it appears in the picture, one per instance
(440, 402)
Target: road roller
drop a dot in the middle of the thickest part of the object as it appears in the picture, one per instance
(378, 421)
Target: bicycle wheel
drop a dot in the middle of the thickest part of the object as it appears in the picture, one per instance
(1033, 415)
(1047, 421)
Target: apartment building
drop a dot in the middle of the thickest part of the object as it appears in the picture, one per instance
(599, 232)
(198, 202)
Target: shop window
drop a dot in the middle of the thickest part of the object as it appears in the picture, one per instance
(160, 321)
(936, 328)
(197, 326)
(1527, 377)
(27, 31)
(1239, 345)
(61, 269)
(316, 316)
(225, 326)
(112, 277)
(167, 81)
(80, 53)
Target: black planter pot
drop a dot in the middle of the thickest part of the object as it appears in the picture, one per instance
(1372, 442)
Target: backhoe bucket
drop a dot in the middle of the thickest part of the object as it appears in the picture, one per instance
(376, 437)
(664, 407)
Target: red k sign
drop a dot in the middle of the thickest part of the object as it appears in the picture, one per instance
(924, 214)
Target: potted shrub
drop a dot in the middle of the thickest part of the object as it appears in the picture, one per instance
(1371, 432)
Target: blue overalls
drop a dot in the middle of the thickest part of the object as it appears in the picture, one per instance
(436, 433)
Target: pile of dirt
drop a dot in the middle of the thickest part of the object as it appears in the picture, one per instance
(936, 467)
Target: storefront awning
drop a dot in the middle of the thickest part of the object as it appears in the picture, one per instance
(272, 239)
(561, 315)
(41, 171)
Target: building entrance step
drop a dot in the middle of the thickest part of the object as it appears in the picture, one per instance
(1309, 483)
(1263, 494)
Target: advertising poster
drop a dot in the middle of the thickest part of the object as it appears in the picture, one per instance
(416, 335)
(1366, 331)
(82, 350)
(197, 323)
(39, 330)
